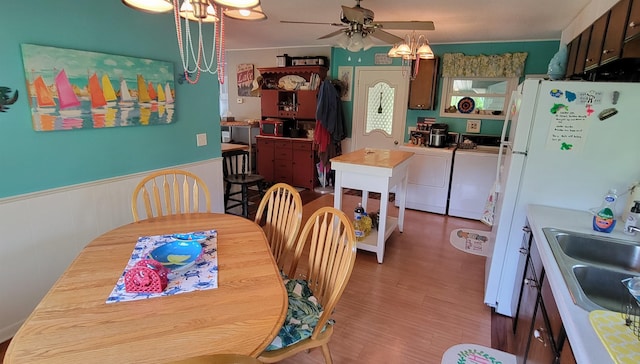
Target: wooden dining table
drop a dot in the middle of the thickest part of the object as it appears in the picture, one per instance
(74, 324)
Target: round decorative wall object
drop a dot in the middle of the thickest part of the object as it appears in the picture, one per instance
(466, 105)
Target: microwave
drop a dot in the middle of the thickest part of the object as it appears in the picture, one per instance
(272, 127)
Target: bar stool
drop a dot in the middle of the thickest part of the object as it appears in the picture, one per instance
(234, 168)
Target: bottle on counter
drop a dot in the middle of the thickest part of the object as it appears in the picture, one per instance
(359, 211)
(632, 218)
(604, 219)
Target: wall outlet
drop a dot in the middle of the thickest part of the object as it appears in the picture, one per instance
(239, 100)
(201, 139)
(410, 129)
(473, 126)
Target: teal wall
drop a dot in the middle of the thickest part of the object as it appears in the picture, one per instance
(539, 55)
(33, 161)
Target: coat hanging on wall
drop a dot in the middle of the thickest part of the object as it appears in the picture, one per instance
(5, 99)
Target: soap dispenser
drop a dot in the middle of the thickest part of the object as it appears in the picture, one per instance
(604, 219)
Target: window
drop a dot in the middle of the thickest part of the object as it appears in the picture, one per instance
(476, 96)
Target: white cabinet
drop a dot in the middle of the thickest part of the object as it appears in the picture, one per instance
(428, 180)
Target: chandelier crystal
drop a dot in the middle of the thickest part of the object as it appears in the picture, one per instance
(414, 48)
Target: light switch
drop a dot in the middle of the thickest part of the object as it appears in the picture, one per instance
(239, 100)
(201, 139)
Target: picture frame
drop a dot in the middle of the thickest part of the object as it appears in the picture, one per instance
(75, 89)
(345, 74)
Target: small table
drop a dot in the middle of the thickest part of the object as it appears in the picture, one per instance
(228, 147)
(375, 170)
(74, 324)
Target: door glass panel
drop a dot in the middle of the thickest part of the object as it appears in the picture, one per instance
(380, 102)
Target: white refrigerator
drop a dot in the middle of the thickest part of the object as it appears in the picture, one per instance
(568, 143)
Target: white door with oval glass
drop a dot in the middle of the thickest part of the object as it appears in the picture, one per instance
(380, 107)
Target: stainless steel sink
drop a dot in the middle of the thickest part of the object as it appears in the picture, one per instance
(594, 266)
(599, 250)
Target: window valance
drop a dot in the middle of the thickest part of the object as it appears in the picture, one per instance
(498, 65)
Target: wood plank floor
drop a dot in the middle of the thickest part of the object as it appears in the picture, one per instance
(424, 298)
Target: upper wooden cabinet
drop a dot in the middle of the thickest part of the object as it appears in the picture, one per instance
(594, 50)
(572, 48)
(581, 57)
(422, 90)
(633, 21)
(297, 103)
(614, 37)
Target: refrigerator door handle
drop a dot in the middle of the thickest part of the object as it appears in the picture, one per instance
(504, 144)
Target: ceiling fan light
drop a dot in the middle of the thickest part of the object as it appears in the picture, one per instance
(246, 14)
(239, 4)
(355, 44)
(343, 41)
(198, 10)
(367, 43)
(150, 6)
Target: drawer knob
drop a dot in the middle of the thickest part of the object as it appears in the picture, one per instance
(531, 282)
(632, 24)
(538, 335)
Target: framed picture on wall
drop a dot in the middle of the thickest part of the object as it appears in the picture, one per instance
(72, 89)
(345, 74)
(245, 79)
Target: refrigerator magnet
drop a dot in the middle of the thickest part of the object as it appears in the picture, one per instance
(607, 113)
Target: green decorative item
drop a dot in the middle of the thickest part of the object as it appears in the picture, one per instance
(5, 99)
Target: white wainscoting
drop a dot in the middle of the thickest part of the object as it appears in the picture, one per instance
(43, 232)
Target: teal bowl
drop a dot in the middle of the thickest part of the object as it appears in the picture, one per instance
(177, 255)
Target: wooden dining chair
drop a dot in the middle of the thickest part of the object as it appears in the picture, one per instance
(235, 171)
(169, 192)
(219, 359)
(312, 300)
(280, 215)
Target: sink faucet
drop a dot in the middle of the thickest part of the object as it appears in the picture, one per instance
(632, 229)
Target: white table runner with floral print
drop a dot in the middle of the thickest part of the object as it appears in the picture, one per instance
(201, 276)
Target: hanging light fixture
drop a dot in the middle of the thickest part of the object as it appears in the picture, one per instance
(150, 6)
(411, 51)
(355, 39)
(193, 55)
(240, 4)
(246, 14)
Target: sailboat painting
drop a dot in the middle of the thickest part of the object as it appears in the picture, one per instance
(73, 89)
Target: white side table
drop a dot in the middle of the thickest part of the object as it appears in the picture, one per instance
(374, 170)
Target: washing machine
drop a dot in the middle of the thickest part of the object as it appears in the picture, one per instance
(472, 179)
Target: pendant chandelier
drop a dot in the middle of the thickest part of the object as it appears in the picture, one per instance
(411, 51)
(191, 12)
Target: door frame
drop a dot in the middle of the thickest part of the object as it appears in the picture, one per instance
(359, 107)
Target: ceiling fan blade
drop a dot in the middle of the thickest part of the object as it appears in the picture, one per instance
(353, 14)
(407, 25)
(310, 22)
(332, 34)
(386, 37)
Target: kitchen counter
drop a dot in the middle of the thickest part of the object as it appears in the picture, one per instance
(587, 347)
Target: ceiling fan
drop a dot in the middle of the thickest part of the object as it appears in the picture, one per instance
(358, 20)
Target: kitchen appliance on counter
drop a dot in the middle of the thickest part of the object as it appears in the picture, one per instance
(473, 175)
(272, 127)
(438, 135)
(568, 143)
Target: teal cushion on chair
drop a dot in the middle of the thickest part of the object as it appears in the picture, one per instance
(302, 315)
